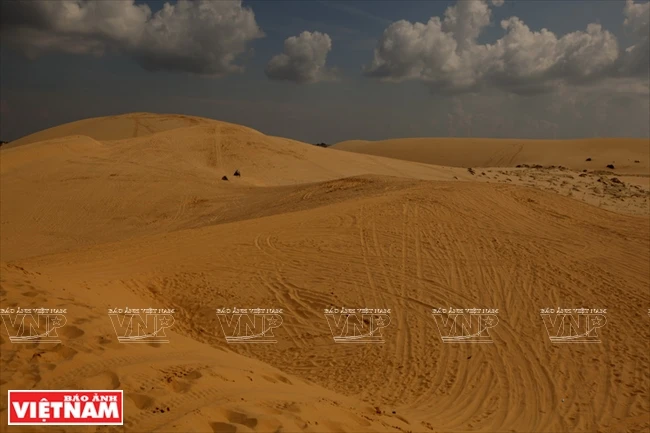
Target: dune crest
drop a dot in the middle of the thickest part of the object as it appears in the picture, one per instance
(124, 126)
(508, 152)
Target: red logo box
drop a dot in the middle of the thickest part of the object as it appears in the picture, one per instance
(68, 407)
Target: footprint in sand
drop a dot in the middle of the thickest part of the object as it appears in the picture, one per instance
(105, 380)
(142, 401)
(180, 380)
(57, 352)
(70, 332)
(223, 427)
(240, 418)
(180, 386)
(234, 418)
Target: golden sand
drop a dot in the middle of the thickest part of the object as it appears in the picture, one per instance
(131, 211)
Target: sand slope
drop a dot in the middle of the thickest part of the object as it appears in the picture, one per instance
(146, 221)
(159, 182)
(180, 387)
(485, 152)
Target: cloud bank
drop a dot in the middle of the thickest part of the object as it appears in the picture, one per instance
(202, 37)
(302, 60)
(445, 53)
(636, 58)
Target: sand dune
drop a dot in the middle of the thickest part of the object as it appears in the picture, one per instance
(160, 182)
(485, 152)
(90, 224)
(115, 127)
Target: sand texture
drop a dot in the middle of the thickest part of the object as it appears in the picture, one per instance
(132, 211)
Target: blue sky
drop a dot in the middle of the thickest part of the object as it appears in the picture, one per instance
(331, 87)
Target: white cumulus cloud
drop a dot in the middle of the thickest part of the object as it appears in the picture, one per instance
(636, 58)
(303, 59)
(445, 53)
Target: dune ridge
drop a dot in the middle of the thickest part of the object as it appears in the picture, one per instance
(509, 152)
(90, 223)
(118, 127)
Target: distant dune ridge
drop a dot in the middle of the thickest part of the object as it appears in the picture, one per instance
(493, 152)
(131, 210)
